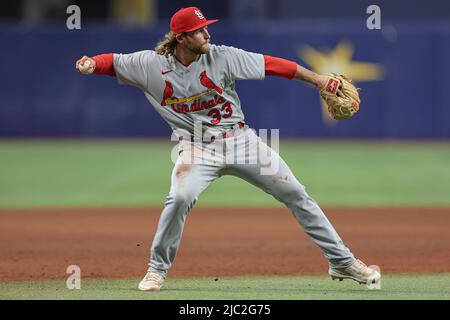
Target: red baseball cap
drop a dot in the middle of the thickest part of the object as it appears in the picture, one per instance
(188, 19)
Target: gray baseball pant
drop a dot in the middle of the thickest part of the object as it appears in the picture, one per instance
(248, 157)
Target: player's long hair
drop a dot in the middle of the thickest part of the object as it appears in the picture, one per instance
(167, 46)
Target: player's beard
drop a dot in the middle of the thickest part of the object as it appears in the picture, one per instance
(204, 48)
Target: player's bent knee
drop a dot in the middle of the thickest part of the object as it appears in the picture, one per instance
(182, 199)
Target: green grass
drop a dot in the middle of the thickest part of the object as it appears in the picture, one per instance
(393, 286)
(137, 173)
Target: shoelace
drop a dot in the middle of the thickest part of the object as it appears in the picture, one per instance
(153, 277)
(362, 264)
(361, 267)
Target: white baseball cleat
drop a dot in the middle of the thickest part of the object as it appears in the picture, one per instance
(358, 271)
(152, 282)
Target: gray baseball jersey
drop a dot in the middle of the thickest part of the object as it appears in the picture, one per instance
(203, 91)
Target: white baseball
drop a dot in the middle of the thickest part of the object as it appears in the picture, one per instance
(85, 67)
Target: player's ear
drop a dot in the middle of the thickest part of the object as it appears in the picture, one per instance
(180, 37)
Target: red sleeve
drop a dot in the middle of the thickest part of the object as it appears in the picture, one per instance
(104, 64)
(279, 67)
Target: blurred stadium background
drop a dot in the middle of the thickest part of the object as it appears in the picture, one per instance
(403, 69)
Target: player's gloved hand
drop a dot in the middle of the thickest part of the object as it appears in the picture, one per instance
(85, 65)
(340, 95)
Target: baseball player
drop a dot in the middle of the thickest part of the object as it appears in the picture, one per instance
(189, 82)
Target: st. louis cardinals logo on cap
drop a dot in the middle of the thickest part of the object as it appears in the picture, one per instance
(199, 14)
(188, 19)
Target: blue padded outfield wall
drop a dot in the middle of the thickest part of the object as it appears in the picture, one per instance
(403, 71)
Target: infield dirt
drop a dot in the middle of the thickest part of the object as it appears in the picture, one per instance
(115, 242)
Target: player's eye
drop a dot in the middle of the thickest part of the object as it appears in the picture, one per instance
(202, 30)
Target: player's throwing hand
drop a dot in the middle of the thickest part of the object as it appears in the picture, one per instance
(85, 65)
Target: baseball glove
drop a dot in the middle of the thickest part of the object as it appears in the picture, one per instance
(340, 108)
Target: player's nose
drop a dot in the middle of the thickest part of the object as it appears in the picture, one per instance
(206, 34)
